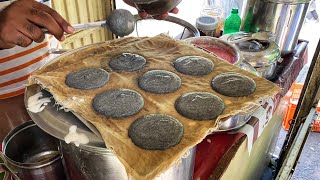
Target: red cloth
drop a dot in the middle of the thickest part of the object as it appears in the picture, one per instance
(213, 148)
(208, 154)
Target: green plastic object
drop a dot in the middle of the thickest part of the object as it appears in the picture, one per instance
(232, 23)
(248, 21)
(2, 176)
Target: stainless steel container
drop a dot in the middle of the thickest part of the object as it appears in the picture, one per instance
(248, 67)
(207, 25)
(263, 54)
(237, 121)
(283, 17)
(99, 163)
(33, 154)
(217, 47)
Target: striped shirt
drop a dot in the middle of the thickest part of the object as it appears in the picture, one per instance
(16, 64)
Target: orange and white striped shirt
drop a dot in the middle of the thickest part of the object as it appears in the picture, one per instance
(16, 64)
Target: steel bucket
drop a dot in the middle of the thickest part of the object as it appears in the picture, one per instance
(32, 154)
(99, 163)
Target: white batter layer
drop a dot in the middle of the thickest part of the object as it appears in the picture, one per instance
(76, 138)
(36, 104)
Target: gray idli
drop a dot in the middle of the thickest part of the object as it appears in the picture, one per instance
(156, 132)
(88, 78)
(127, 62)
(118, 103)
(194, 65)
(159, 82)
(199, 105)
(233, 84)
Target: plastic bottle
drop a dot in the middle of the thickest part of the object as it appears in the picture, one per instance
(232, 23)
(213, 8)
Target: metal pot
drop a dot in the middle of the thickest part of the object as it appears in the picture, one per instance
(283, 17)
(267, 71)
(263, 53)
(99, 163)
(32, 154)
(247, 67)
(237, 121)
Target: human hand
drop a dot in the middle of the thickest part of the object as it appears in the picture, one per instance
(143, 14)
(21, 23)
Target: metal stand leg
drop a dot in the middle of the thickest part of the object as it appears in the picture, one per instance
(304, 106)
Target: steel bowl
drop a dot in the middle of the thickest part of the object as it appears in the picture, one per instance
(156, 7)
(237, 121)
(233, 123)
(206, 42)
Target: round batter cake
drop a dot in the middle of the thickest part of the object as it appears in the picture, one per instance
(88, 78)
(156, 132)
(199, 105)
(194, 65)
(118, 103)
(159, 82)
(127, 62)
(233, 84)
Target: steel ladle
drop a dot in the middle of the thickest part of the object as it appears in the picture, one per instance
(120, 22)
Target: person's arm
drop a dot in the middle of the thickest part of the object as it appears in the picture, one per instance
(21, 22)
(144, 14)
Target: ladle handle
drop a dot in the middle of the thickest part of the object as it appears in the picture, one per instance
(77, 27)
(120, 22)
(89, 25)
